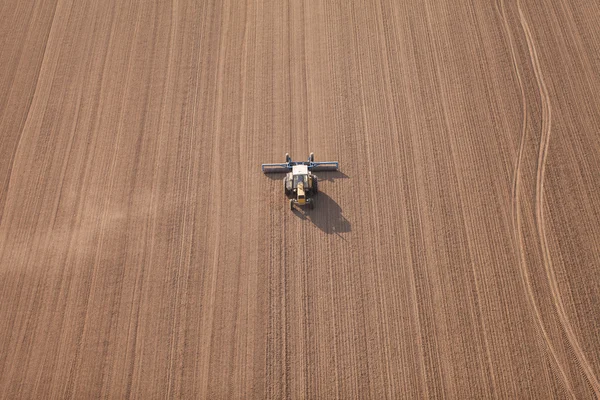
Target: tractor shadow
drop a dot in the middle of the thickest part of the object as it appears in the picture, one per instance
(331, 176)
(327, 215)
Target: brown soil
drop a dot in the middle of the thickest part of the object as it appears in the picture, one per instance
(144, 254)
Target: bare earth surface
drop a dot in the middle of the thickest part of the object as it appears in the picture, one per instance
(455, 254)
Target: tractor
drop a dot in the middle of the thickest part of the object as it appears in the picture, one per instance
(300, 184)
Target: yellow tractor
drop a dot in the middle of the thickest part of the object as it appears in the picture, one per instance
(300, 184)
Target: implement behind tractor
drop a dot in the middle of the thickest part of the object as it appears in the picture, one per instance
(300, 184)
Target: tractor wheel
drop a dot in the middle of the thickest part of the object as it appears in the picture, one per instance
(291, 204)
(287, 157)
(311, 204)
(315, 184)
(285, 189)
(311, 158)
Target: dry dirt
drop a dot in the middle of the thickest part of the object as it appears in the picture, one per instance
(455, 254)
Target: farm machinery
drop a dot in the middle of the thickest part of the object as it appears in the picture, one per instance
(300, 184)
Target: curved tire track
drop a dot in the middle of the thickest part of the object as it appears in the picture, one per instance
(515, 206)
(539, 203)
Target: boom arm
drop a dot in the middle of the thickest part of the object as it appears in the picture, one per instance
(312, 165)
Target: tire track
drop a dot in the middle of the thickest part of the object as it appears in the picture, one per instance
(6, 118)
(515, 206)
(539, 203)
(543, 153)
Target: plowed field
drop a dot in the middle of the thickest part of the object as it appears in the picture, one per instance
(456, 253)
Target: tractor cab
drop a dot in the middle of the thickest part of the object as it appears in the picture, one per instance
(300, 185)
(300, 182)
(299, 179)
(300, 175)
